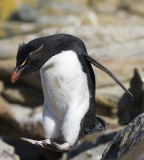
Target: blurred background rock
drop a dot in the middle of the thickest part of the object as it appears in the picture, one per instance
(113, 31)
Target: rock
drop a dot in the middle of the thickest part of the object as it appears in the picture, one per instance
(9, 29)
(6, 8)
(93, 149)
(107, 98)
(1, 86)
(30, 11)
(9, 46)
(126, 139)
(105, 105)
(3, 103)
(23, 95)
(17, 121)
(90, 154)
(133, 6)
(6, 68)
(120, 17)
(7, 152)
(105, 6)
(30, 152)
(128, 109)
(93, 145)
(135, 153)
(8, 49)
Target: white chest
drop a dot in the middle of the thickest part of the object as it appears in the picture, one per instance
(63, 82)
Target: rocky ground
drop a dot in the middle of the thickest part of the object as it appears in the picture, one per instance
(113, 33)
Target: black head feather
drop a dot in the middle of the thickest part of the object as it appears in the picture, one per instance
(21, 44)
(23, 52)
(44, 48)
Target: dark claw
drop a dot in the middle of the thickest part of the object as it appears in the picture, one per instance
(39, 145)
(53, 146)
(46, 145)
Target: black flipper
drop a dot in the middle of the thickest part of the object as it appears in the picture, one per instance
(101, 67)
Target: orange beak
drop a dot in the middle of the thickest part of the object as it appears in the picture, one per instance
(16, 74)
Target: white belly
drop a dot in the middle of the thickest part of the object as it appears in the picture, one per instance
(64, 83)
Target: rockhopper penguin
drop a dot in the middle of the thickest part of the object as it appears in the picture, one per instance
(68, 82)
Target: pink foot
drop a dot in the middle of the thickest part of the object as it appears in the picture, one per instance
(49, 144)
(35, 142)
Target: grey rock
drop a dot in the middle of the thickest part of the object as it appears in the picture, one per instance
(108, 7)
(1, 86)
(135, 153)
(7, 49)
(7, 152)
(31, 11)
(92, 149)
(23, 95)
(128, 108)
(10, 29)
(3, 103)
(54, 21)
(9, 46)
(91, 154)
(133, 6)
(107, 98)
(45, 21)
(125, 139)
(6, 68)
(20, 121)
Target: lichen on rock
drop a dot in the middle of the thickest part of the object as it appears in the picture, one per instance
(125, 139)
(128, 108)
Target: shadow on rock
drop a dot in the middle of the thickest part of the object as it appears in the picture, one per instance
(128, 108)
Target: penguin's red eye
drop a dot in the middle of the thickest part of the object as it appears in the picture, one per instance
(28, 63)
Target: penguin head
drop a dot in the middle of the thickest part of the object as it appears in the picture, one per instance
(29, 59)
(33, 55)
